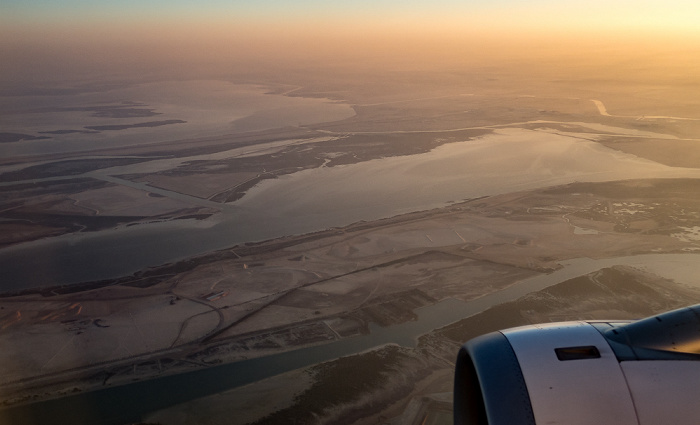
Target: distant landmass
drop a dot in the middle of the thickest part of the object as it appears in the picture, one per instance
(67, 132)
(18, 137)
(137, 125)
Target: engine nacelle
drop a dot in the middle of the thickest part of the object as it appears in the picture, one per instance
(583, 373)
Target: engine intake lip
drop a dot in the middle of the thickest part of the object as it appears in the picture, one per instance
(489, 386)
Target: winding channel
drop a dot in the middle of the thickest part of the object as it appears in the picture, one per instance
(131, 403)
(506, 161)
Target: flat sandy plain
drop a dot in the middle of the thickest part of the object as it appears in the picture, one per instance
(284, 294)
(260, 298)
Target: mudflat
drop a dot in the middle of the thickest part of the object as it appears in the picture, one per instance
(262, 298)
(550, 175)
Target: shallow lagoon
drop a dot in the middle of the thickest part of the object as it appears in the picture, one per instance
(209, 108)
(311, 200)
(508, 160)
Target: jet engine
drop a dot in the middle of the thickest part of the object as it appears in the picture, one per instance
(645, 372)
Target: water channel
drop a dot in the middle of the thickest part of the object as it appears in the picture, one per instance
(507, 161)
(130, 403)
(312, 200)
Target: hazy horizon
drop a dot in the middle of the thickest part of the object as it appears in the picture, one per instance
(44, 42)
(291, 189)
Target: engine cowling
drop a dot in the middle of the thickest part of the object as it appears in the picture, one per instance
(579, 373)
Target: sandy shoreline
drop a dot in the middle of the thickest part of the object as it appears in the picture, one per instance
(283, 294)
(274, 296)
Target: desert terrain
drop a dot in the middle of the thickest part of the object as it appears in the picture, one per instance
(264, 298)
(258, 242)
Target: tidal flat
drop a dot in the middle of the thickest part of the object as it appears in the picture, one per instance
(283, 219)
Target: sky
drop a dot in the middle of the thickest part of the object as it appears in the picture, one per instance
(47, 36)
(532, 15)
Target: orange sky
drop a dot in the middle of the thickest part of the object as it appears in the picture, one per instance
(42, 38)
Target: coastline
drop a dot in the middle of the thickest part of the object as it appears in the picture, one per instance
(323, 286)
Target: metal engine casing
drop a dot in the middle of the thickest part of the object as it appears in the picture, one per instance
(579, 373)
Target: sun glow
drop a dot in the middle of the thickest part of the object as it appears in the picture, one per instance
(40, 39)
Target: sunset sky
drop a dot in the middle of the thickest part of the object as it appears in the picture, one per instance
(655, 15)
(36, 35)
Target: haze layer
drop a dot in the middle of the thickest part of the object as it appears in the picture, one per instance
(44, 41)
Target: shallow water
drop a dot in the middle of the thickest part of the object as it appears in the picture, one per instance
(210, 108)
(507, 161)
(312, 200)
